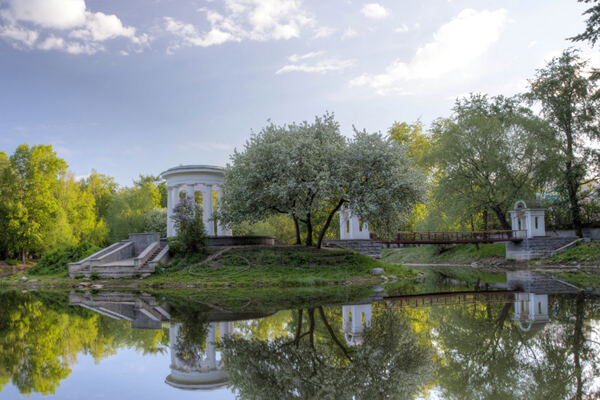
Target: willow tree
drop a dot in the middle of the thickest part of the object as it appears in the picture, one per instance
(569, 101)
(308, 169)
(489, 153)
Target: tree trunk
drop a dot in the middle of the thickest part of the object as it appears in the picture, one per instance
(578, 342)
(309, 230)
(299, 328)
(501, 217)
(23, 259)
(329, 218)
(297, 227)
(572, 186)
(332, 334)
(311, 320)
(473, 230)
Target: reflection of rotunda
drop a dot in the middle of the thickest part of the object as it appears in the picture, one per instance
(203, 371)
(354, 320)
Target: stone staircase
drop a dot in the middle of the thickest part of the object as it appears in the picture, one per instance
(139, 255)
(537, 247)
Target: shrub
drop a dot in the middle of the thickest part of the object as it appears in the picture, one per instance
(55, 261)
(12, 262)
(191, 237)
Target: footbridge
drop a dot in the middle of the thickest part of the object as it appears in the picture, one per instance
(455, 237)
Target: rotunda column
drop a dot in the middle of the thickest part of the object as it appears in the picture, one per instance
(222, 229)
(207, 210)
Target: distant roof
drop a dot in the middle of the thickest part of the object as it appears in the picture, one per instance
(529, 204)
(192, 168)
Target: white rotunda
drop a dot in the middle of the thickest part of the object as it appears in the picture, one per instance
(202, 184)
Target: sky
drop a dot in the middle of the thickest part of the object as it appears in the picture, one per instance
(139, 86)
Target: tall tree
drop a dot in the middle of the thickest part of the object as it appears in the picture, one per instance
(567, 94)
(592, 29)
(489, 153)
(310, 169)
(28, 188)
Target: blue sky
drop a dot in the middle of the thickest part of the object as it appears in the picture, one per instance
(129, 87)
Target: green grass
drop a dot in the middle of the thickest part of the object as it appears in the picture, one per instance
(469, 275)
(582, 253)
(433, 254)
(279, 266)
(55, 261)
(249, 267)
(580, 279)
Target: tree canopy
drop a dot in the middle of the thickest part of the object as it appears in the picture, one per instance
(301, 170)
(488, 154)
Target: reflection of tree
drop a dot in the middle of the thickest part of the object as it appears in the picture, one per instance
(39, 343)
(315, 363)
(483, 354)
(191, 340)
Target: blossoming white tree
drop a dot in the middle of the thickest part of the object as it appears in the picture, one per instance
(308, 168)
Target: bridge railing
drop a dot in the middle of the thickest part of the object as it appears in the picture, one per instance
(457, 237)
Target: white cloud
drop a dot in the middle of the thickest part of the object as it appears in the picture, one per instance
(401, 29)
(52, 43)
(349, 33)
(456, 47)
(323, 31)
(19, 35)
(322, 66)
(259, 20)
(532, 44)
(374, 10)
(73, 28)
(295, 57)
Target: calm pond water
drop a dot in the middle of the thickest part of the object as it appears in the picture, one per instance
(531, 337)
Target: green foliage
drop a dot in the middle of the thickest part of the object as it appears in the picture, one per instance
(303, 170)
(584, 253)
(191, 237)
(390, 363)
(461, 253)
(56, 261)
(489, 154)
(281, 266)
(592, 29)
(41, 338)
(568, 96)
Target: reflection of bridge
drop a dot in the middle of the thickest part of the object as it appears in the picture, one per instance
(455, 237)
(452, 298)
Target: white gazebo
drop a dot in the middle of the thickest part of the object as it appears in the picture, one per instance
(528, 216)
(351, 228)
(194, 182)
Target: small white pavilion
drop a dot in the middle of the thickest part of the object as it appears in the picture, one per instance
(351, 228)
(200, 183)
(528, 216)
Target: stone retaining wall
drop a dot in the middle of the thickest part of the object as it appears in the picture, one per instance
(537, 247)
(363, 246)
(223, 241)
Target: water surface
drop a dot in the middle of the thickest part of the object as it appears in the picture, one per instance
(524, 337)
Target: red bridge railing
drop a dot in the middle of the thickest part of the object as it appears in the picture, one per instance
(455, 237)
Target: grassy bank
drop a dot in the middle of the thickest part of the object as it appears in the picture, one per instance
(582, 253)
(243, 267)
(457, 254)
